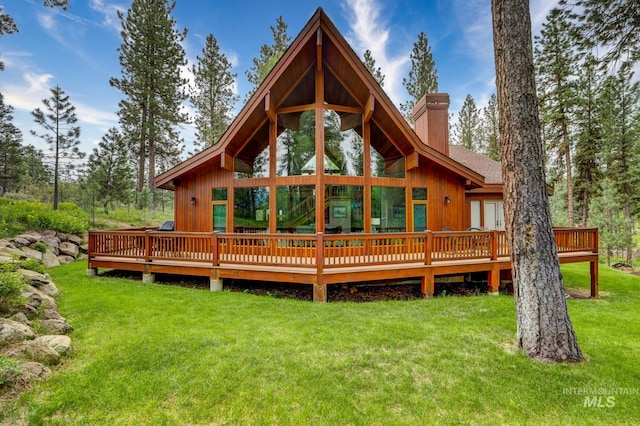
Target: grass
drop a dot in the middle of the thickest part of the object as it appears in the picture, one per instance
(154, 354)
(122, 217)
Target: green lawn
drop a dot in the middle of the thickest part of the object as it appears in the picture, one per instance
(156, 354)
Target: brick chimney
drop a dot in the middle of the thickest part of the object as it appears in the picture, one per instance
(431, 120)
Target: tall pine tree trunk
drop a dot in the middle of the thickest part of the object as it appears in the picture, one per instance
(544, 330)
(142, 158)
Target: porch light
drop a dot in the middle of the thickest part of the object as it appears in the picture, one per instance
(192, 201)
(447, 200)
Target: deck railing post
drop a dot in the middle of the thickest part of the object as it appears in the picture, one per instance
(214, 249)
(319, 288)
(147, 245)
(428, 248)
(494, 245)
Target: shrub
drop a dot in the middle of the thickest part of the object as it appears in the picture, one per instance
(33, 265)
(21, 215)
(9, 369)
(11, 285)
(40, 246)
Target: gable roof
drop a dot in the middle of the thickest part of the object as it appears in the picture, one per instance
(490, 169)
(346, 71)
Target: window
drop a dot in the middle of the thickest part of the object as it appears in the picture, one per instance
(251, 209)
(343, 145)
(343, 212)
(296, 145)
(296, 209)
(388, 209)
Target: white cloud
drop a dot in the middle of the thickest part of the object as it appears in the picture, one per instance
(28, 96)
(109, 12)
(370, 31)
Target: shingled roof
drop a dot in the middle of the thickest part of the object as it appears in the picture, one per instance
(490, 169)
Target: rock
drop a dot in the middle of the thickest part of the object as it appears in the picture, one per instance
(12, 251)
(54, 326)
(34, 278)
(34, 371)
(61, 344)
(53, 243)
(4, 258)
(21, 318)
(62, 237)
(38, 300)
(32, 236)
(50, 260)
(49, 234)
(84, 248)
(32, 253)
(68, 249)
(50, 289)
(75, 239)
(20, 242)
(65, 259)
(37, 351)
(13, 331)
(52, 314)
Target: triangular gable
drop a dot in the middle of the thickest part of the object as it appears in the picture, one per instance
(319, 40)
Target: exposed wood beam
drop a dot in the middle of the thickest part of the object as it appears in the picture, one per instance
(369, 107)
(343, 108)
(226, 161)
(319, 49)
(296, 108)
(413, 161)
(243, 167)
(350, 121)
(395, 165)
(270, 108)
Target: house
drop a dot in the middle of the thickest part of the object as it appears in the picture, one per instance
(320, 180)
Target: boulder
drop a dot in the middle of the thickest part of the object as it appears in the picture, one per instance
(37, 300)
(50, 260)
(62, 237)
(65, 259)
(32, 236)
(84, 248)
(34, 278)
(34, 371)
(53, 244)
(32, 253)
(21, 318)
(61, 344)
(12, 251)
(49, 234)
(20, 242)
(75, 239)
(36, 350)
(55, 326)
(13, 331)
(68, 249)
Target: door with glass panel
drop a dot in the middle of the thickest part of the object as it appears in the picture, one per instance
(219, 216)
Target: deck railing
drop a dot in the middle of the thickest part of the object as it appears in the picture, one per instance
(328, 251)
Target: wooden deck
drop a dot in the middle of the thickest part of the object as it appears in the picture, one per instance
(321, 260)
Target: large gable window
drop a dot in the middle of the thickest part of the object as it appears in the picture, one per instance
(343, 145)
(296, 144)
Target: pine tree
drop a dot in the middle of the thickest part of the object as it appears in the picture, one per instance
(491, 129)
(468, 130)
(269, 55)
(613, 26)
(151, 55)
(213, 95)
(7, 26)
(63, 137)
(423, 76)
(110, 170)
(555, 74)
(370, 63)
(621, 147)
(544, 330)
(11, 159)
(588, 142)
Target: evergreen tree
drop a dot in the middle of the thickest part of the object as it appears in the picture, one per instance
(491, 129)
(7, 26)
(213, 95)
(423, 76)
(111, 175)
(544, 329)
(468, 130)
(63, 137)
(11, 160)
(555, 63)
(269, 55)
(588, 142)
(37, 174)
(621, 146)
(370, 63)
(613, 25)
(151, 55)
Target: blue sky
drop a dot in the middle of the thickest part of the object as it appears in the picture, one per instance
(77, 49)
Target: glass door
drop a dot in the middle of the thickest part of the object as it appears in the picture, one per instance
(419, 217)
(220, 217)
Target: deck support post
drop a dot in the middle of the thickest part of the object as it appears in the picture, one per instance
(148, 278)
(92, 272)
(494, 281)
(215, 284)
(594, 278)
(427, 284)
(320, 293)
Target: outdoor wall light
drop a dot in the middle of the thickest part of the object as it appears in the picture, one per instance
(447, 200)
(192, 201)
